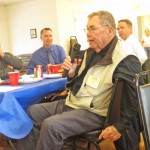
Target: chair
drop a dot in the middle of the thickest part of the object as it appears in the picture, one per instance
(143, 94)
(113, 114)
(73, 41)
(25, 59)
(11, 143)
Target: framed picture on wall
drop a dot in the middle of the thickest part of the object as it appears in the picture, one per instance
(33, 33)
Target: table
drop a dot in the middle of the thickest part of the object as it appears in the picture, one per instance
(14, 101)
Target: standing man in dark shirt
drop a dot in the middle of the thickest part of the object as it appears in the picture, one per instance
(8, 63)
(49, 53)
(90, 86)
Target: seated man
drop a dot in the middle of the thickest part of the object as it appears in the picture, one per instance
(47, 54)
(8, 63)
(90, 86)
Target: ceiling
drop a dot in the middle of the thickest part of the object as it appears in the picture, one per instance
(135, 2)
(10, 2)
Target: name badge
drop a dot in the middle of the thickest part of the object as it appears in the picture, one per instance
(93, 81)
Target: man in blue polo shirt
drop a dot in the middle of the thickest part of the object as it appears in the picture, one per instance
(48, 54)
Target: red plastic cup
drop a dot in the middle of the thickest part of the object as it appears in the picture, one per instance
(55, 68)
(49, 68)
(14, 77)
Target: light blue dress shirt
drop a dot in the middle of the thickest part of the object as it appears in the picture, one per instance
(40, 57)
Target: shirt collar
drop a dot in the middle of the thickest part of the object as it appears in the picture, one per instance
(50, 48)
(107, 52)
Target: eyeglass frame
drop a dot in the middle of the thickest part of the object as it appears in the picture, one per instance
(92, 29)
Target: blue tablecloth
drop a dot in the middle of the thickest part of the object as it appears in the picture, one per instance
(14, 122)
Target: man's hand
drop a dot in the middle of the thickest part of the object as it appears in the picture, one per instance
(1, 54)
(67, 65)
(110, 133)
(9, 67)
(60, 71)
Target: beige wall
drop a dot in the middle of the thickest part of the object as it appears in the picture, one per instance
(71, 13)
(23, 17)
(65, 17)
(4, 40)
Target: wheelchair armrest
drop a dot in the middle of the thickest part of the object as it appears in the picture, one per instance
(92, 136)
(94, 133)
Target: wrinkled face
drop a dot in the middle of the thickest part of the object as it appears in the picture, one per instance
(47, 38)
(98, 36)
(124, 30)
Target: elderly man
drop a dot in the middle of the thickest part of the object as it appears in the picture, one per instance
(90, 86)
(125, 32)
(8, 63)
(49, 53)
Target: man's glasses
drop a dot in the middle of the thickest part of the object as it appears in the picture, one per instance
(91, 30)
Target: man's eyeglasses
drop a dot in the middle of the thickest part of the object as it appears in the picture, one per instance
(91, 30)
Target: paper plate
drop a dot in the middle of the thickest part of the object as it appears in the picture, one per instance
(4, 82)
(52, 76)
(29, 80)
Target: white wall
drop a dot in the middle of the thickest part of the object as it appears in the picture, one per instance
(71, 12)
(4, 38)
(65, 17)
(23, 17)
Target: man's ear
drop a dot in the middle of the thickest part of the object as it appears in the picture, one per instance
(110, 29)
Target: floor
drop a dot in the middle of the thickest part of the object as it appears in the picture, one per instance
(105, 145)
(4, 145)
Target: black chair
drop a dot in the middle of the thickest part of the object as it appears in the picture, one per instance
(11, 143)
(25, 58)
(73, 41)
(91, 137)
(130, 138)
(143, 94)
